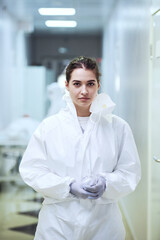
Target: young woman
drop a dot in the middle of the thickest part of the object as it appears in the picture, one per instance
(82, 160)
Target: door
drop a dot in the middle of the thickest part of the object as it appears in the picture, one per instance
(155, 129)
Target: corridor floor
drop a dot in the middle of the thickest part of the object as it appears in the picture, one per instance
(19, 208)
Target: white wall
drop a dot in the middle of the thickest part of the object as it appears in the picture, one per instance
(12, 64)
(17, 85)
(126, 78)
(20, 85)
(7, 29)
(34, 97)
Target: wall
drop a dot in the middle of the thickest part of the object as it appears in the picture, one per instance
(126, 78)
(12, 63)
(7, 29)
(34, 98)
(49, 47)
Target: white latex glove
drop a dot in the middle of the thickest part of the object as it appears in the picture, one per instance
(98, 188)
(76, 188)
(89, 181)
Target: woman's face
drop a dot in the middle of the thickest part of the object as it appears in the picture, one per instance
(83, 87)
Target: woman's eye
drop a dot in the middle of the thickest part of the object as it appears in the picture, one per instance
(76, 84)
(91, 84)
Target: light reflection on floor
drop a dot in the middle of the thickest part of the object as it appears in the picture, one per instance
(15, 202)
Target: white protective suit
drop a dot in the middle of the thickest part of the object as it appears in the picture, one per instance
(59, 153)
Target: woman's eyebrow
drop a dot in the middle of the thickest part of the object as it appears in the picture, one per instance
(92, 80)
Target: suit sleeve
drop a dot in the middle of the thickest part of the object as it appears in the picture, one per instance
(127, 173)
(35, 171)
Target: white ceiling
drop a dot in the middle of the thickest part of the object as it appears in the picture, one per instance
(91, 15)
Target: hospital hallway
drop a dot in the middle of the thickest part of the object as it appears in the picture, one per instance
(19, 207)
(38, 39)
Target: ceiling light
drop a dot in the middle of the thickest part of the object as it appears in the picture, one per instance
(62, 50)
(57, 11)
(57, 23)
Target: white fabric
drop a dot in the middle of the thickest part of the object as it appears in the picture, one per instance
(59, 153)
(83, 122)
(20, 130)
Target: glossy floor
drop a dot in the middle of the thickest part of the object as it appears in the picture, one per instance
(19, 208)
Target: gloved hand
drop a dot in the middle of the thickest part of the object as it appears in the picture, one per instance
(98, 188)
(76, 188)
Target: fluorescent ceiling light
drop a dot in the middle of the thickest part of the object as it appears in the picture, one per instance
(57, 11)
(57, 23)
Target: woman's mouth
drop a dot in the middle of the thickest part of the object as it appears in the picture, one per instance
(84, 98)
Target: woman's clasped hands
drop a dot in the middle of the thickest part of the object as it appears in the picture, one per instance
(91, 188)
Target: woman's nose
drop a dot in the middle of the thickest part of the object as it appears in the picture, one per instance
(84, 90)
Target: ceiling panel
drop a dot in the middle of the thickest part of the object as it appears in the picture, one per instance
(90, 14)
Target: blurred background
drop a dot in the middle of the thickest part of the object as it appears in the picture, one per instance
(124, 37)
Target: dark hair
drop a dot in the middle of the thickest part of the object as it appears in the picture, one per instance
(83, 62)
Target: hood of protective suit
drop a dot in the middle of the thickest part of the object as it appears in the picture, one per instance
(102, 104)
